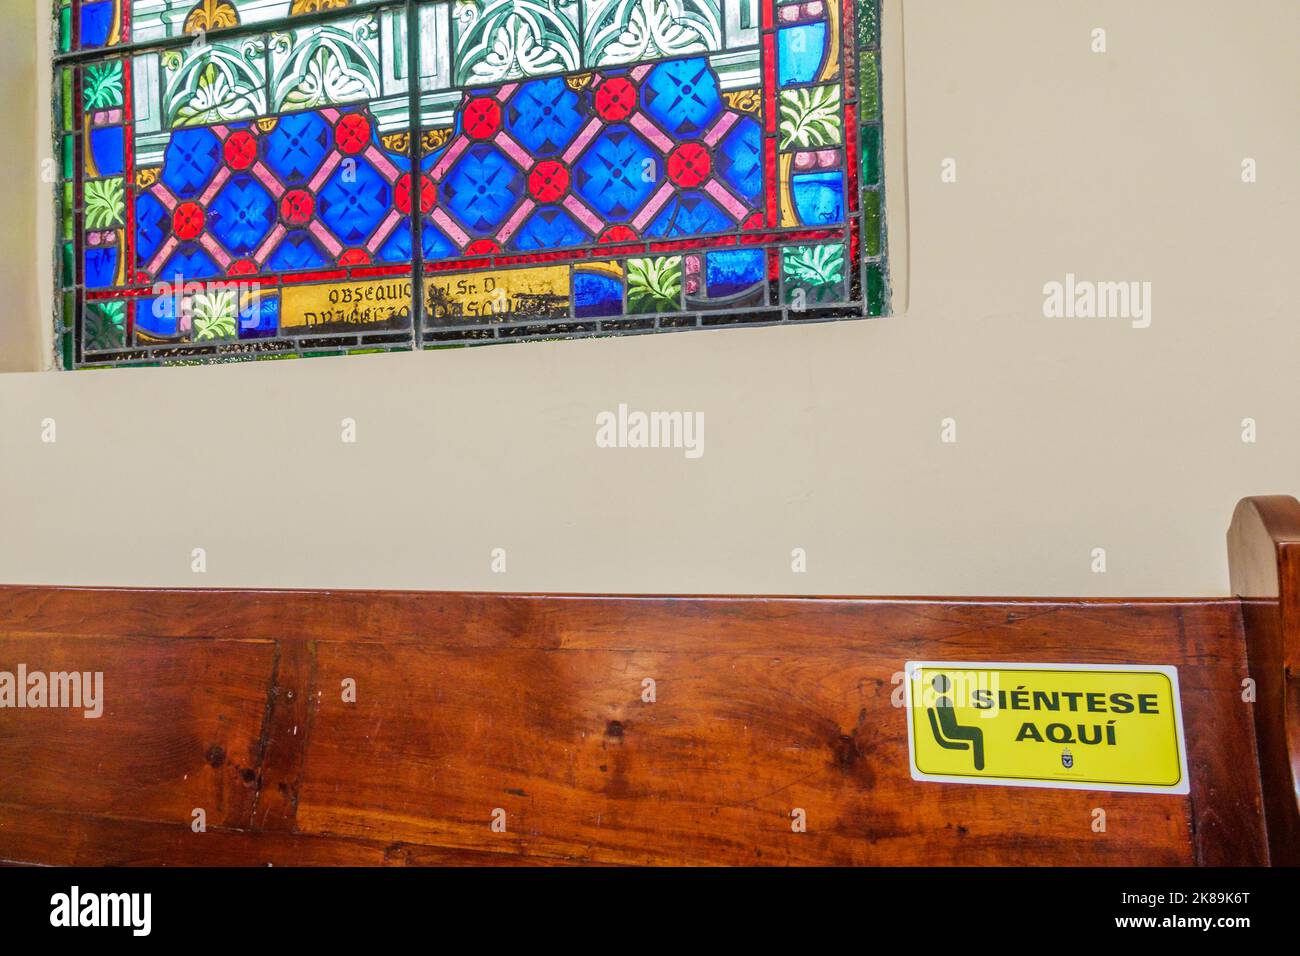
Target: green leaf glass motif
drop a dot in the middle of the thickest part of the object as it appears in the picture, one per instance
(654, 285)
(102, 87)
(105, 203)
(810, 117)
(214, 315)
(817, 270)
(104, 326)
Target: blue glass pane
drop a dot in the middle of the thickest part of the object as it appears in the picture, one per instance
(106, 149)
(101, 266)
(617, 173)
(818, 197)
(295, 148)
(259, 317)
(733, 270)
(156, 318)
(740, 158)
(596, 295)
(152, 224)
(682, 97)
(397, 248)
(96, 23)
(689, 214)
(192, 157)
(297, 250)
(800, 51)
(354, 201)
(550, 227)
(482, 187)
(241, 215)
(544, 116)
(190, 261)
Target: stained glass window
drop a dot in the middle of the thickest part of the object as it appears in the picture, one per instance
(275, 178)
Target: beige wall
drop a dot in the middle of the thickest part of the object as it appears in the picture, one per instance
(1072, 433)
(24, 197)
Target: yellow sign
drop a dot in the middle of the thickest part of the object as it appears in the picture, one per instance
(1075, 726)
(537, 292)
(345, 305)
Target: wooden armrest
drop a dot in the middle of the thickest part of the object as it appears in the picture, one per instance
(1264, 565)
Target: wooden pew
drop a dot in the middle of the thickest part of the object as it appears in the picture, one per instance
(469, 705)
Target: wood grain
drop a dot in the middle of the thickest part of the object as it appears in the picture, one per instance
(1264, 560)
(179, 731)
(288, 718)
(469, 703)
(61, 838)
